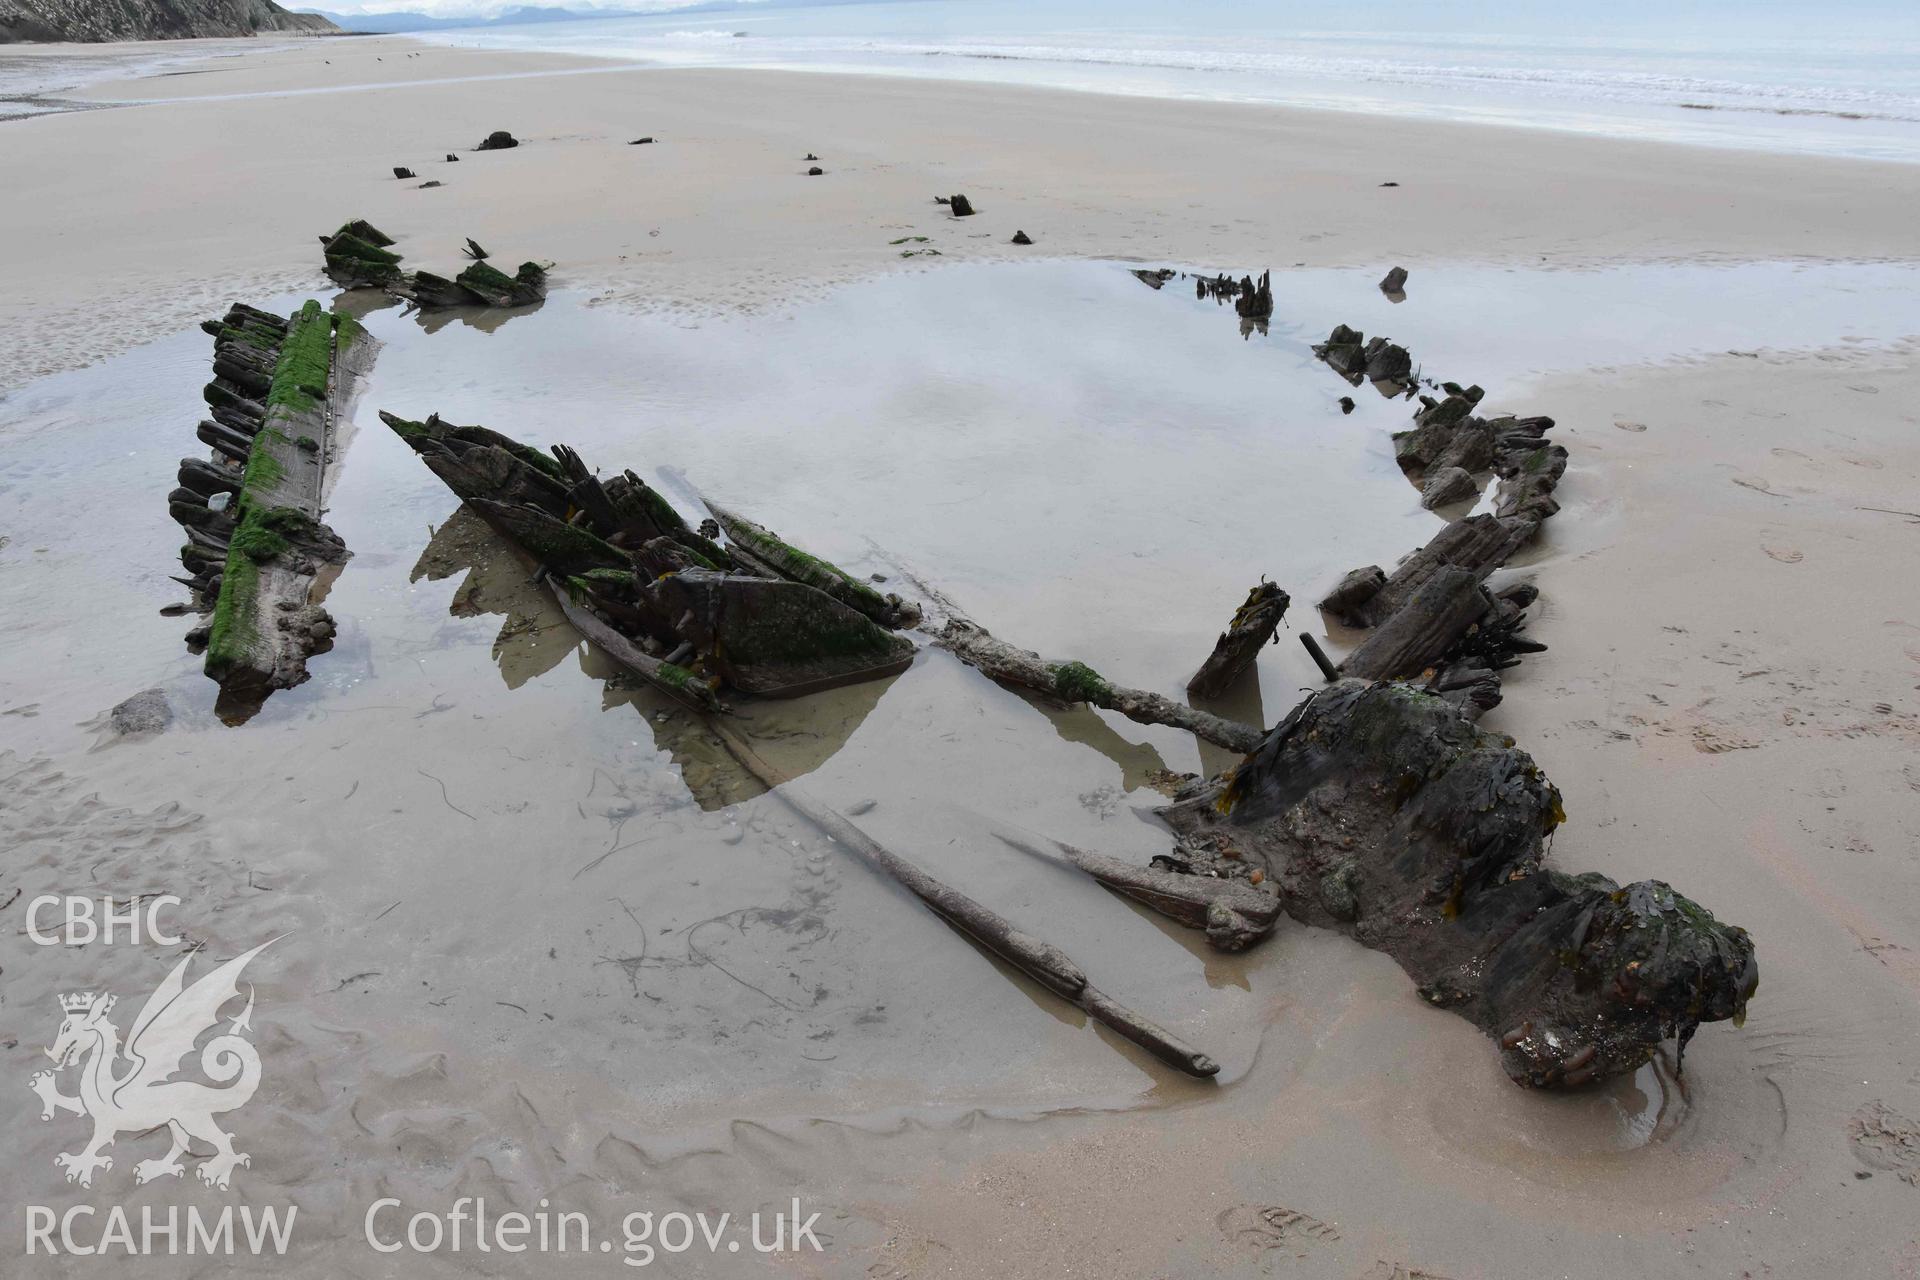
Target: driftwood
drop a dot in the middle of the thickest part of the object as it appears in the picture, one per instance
(1252, 626)
(1384, 813)
(1077, 682)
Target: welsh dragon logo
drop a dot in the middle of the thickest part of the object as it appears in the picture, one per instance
(143, 1095)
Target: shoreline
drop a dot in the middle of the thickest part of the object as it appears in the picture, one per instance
(1122, 178)
(1717, 703)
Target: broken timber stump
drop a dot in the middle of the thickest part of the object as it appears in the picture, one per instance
(1252, 626)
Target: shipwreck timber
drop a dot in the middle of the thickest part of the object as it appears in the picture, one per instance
(760, 617)
(1378, 807)
(255, 541)
(793, 631)
(1433, 620)
(1383, 812)
(360, 256)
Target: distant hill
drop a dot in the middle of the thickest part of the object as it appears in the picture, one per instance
(388, 23)
(97, 20)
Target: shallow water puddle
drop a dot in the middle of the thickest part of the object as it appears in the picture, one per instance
(493, 844)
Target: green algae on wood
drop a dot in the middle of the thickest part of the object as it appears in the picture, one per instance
(822, 575)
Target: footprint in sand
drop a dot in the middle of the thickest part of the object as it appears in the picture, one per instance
(1865, 389)
(1785, 555)
(1790, 453)
(1882, 1138)
(1712, 742)
(1629, 426)
(1269, 1227)
(1757, 485)
(1861, 460)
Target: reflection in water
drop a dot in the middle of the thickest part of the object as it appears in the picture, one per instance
(361, 303)
(795, 735)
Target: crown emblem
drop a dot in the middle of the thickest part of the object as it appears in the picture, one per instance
(77, 1002)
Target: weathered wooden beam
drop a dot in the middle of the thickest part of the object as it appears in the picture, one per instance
(1448, 602)
(1077, 682)
(1252, 626)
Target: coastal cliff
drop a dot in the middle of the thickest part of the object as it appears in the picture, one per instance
(99, 20)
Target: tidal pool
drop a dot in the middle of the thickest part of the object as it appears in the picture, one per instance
(491, 849)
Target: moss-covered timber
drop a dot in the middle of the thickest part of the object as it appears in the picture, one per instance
(1074, 681)
(822, 575)
(264, 626)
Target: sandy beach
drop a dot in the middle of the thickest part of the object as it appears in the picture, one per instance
(1730, 700)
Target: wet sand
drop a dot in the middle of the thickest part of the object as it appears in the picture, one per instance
(719, 212)
(533, 954)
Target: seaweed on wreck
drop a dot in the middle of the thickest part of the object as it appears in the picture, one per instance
(252, 560)
(359, 256)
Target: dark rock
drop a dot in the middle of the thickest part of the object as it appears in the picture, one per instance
(641, 142)
(498, 140)
(452, 158)
(1395, 281)
(810, 156)
(1021, 237)
(429, 184)
(815, 171)
(400, 172)
(961, 206)
(1389, 184)
(1346, 404)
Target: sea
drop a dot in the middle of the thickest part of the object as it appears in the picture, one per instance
(1834, 77)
